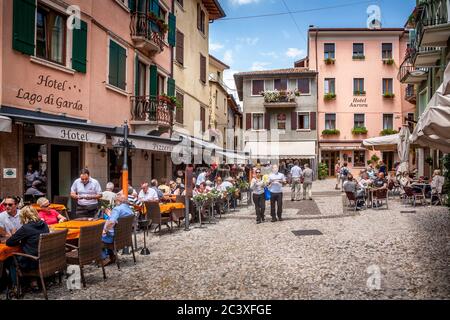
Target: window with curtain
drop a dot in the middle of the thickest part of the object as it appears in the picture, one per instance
(386, 50)
(359, 157)
(329, 86)
(161, 84)
(329, 49)
(257, 87)
(258, 121)
(330, 121)
(280, 84)
(359, 120)
(303, 86)
(281, 120)
(388, 121)
(358, 49)
(50, 35)
(358, 86)
(387, 86)
(303, 121)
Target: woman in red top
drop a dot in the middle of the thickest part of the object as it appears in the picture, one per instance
(50, 216)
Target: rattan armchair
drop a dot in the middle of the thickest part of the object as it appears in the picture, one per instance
(123, 237)
(154, 213)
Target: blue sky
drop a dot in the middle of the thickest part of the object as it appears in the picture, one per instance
(273, 42)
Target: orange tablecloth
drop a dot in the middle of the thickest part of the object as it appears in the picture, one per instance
(76, 224)
(71, 233)
(57, 207)
(167, 207)
(6, 252)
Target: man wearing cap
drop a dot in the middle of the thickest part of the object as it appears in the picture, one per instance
(87, 191)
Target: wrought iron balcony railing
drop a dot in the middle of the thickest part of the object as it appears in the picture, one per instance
(142, 28)
(152, 109)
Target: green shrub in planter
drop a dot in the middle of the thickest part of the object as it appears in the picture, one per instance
(329, 96)
(323, 170)
(389, 95)
(387, 132)
(389, 62)
(359, 93)
(330, 132)
(359, 130)
(329, 61)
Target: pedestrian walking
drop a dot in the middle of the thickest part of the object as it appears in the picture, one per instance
(296, 175)
(308, 176)
(86, 191)
(343, 175)
(257, 186)
(337, 172)
(276, 181)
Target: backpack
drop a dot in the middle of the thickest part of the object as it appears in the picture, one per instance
(344, 172)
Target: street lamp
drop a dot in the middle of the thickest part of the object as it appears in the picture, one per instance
(124, 147)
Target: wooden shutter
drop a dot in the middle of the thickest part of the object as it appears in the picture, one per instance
(248, 121)
(312, 121)
(203, 118)
(294, 116)
(202, 68)
(155, 10)
(267, 121)
(153, 81)
(172, 29)
(132, 5)
(113, 63)
(180, 47)
(121, 68)
(171, 87)
(24, 24)
(79, 48)
(179, 112)
(199, 16)
(136, 76)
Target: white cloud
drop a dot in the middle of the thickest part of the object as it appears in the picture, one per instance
(295, 53)
(259, 66)
(228, 57)
(242, 2)
(216, 46)
(271, 54)
(248, 41)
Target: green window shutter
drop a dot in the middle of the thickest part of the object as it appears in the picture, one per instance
(121, 69)
(153, 81)
(132, 5)
(24, 24)
(113, 63)
(155, 10)
(171, 87)
(79, 49)
(136, 76)
(172, 29)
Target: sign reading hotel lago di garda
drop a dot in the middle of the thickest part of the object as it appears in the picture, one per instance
(359, 103)
(70, 134)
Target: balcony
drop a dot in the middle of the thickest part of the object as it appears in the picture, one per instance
(150, 113)
(144, 34)
(410, 94)
(433, 27)
(426, 56)
(280, 99)
(410, 74)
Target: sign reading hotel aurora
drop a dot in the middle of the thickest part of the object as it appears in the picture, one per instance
(70, 134)
(359, 103)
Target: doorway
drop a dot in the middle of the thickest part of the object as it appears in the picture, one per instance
(115, 170)
(330, 158)
(388, 159)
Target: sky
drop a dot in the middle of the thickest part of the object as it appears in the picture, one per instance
(277, 41)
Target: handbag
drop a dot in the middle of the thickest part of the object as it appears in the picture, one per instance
(266, 193)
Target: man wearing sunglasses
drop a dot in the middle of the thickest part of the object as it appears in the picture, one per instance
(9, 219)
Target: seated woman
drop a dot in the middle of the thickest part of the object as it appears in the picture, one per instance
(27, 237)
(49, 216)
(437, 183)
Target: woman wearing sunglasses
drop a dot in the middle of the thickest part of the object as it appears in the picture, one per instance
(257, 185)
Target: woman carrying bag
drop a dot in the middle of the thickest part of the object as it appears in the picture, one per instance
(259, 199)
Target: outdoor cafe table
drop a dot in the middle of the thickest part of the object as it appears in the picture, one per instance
(168, 207)
(73, 227)
(423, 187)
(5, 253)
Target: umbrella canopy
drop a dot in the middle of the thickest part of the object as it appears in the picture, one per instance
(403, 148)
(384, 143)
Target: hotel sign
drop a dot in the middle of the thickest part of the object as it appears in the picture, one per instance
(359, 103)
(70, 134)
(146, 144)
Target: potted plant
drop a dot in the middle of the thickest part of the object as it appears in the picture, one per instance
(388, 95)
(446, 165)
(359, 92)
(375, 159)
(329, 96)
(387, 132)
(359, 57)
(329, 61)
(388, 61)
(330, 132)
(359, 130)
(323, 170)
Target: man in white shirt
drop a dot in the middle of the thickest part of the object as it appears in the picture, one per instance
(9, 219)
(147, 194)
(87, 192)
(109, 195)
(296, 186)
(276, 181)
(201, 178)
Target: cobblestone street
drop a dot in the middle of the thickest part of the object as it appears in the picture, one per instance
(238, 259)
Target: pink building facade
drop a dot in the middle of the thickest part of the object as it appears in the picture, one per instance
(67, 91)
(359, 95)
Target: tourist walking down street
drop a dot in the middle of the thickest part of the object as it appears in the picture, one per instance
(308, 176)
(276, 181)
(87, 191)
(343, 175)
(257, 185)
(296, 175)
(337, 172)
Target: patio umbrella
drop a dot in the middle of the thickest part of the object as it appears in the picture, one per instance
(403, 148)
(384, 143)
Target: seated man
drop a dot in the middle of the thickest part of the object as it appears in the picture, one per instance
(121, 210)
(380, 182)
(352, 186)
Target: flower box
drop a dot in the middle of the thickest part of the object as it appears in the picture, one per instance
(359, 57)
(330, 132)
(329, 96)
(359, 130)
(359, 93)
(387, 132)
(389, 95)
(329, 61)
(388, 61)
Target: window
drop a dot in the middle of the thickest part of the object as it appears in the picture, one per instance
(330, 86)
(388, 121)
(359, 120)
(161, 84)
(292, 84)
(142, 79)
(386, 51)
(387, 86)
(410, 118)
(303, 121)
(180, 2)
(330, 121)
(280, 84)
(200, 18)
(281, 121)
(358, 86)
(179, 49)
(358, 50)
(359, 157)
(203, 118)
(257, 87)
(50, 35)
(225, 105)
(179, 111)
(117, 65)
(216, 98)
(303, 86)
(258, 121)
(202, 68)
(329, 49)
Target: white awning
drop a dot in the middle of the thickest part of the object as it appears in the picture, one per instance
(5, 124)
(294, 149)
(384, 143)
(70, 134)
(146, 144)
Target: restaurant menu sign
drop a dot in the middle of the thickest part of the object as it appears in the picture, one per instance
(70, 134)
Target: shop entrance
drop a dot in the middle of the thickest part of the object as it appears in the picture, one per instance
(330, 158)
(115, 170)
(388, 159)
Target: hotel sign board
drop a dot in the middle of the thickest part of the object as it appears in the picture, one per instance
(146, 144)
(359, 103)
(70, 134)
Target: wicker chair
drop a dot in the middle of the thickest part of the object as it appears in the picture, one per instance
(155, 215)
(380, 195)
(65, 202)
(179, 213)
(123, 237)
(411, 194)
(51, 259)
(89, 249)
(351, 197)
